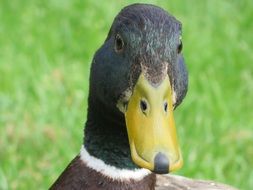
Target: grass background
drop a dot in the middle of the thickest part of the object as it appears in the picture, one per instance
(46, 49)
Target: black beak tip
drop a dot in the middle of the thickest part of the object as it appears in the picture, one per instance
(161, 164)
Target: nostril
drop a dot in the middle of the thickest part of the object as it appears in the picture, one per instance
(161, 164)
(165, 106)
(143, 105)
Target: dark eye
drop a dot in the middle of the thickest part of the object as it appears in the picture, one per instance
(119, 44)
(180, 47)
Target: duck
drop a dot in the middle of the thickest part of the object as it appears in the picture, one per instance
(138, 77)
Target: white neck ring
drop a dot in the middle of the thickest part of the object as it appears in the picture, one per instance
(111, 171)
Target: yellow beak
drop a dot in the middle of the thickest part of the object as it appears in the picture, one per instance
(151, 128)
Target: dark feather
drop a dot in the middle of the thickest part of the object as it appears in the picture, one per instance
(77, 176)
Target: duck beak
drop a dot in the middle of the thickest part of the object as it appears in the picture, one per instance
(151, 129)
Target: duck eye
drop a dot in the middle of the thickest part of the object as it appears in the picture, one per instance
(119, 44)
(180, 47)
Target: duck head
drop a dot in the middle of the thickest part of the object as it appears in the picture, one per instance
(139, 75)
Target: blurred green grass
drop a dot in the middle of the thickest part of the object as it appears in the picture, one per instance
(46, 49)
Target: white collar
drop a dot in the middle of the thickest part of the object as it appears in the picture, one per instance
(111, 171)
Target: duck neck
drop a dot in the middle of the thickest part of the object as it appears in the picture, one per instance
(106, 138)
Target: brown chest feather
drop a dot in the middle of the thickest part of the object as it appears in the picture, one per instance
(78, 176)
